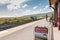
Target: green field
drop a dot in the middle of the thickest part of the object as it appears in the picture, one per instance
(9, 22)
(16, 19)
(13, 20)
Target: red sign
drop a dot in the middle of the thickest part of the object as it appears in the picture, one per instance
(41, 29)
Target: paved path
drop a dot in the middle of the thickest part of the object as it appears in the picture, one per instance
(43, 23)
(56, 32)
(47, 24)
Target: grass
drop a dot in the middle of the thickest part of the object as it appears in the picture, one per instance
(38, 39)
(14, 20)
(7, 23)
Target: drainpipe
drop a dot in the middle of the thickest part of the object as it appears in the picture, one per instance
(58, 20)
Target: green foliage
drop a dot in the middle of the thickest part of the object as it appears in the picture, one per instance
(15, 20)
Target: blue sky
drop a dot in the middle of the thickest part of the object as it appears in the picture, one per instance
(16, 8)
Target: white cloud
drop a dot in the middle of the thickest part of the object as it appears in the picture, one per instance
(47, 9)
(13, 4)
(4, 1)
(18, 13)
(35, 7)
(13, 7)
(27, 12)
(24, 6)
(30, 12)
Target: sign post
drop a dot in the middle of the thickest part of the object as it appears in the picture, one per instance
(50, 32)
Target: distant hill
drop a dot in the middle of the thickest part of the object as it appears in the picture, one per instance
(41, 14)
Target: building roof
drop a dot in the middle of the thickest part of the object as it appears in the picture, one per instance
(52, 1)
